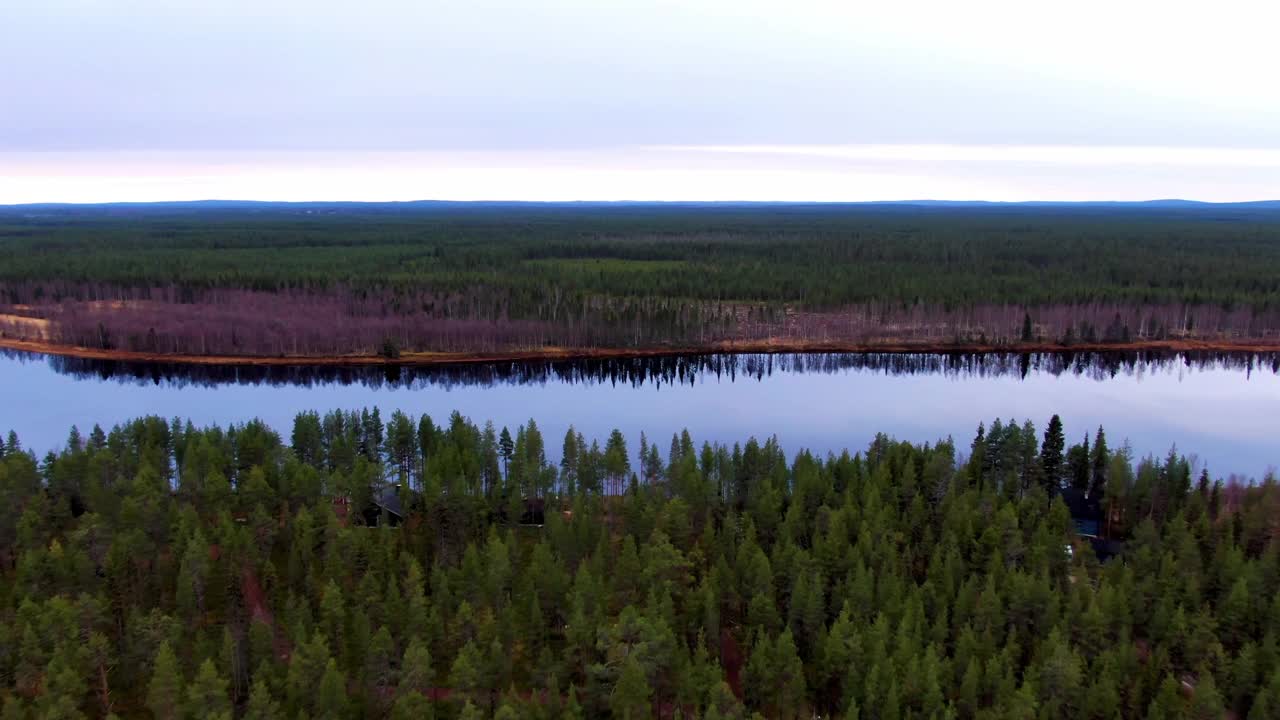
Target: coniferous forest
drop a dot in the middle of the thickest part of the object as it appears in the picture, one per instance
(324, 280)
(402, 567)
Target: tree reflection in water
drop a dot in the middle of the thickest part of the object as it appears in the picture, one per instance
(654, 370)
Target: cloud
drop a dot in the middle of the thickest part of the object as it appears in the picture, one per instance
(710, 173)
(1071, 155)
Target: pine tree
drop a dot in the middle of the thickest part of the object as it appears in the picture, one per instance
(1206, 703)
(508, 710)
(789, 676)
(1051, 453)
(970, 689)
(261, 705)
(1266, 704)
(1167, 703)
(164, 694)
(102, 660)
(467, 675)
(378, 661)
(333, 612)
(1059, 677)
(760, 678)
(569, 462)
(63, 692)
(207, 693)
(331, 695)
(307, 666)
(416, 674)
(1100, 461)
(507, 449)
(413, 706)
(722, 702)
(572, 709)
(1078, 466)
(192, 576)
(630, 697)
(617, 463)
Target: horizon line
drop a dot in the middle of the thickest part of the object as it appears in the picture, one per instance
(497, 201)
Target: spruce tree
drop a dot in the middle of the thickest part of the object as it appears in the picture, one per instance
(331, 695)
(64, 690)
(413, 706)
(1051, 453)
(630, 697)
(207, 693)
(1100, 461)
(1167, 703)
(164, 693)
(506, 449)
(789, 688)
(416, 673)
(261, 705)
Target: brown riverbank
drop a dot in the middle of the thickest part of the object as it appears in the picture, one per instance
(778, 345)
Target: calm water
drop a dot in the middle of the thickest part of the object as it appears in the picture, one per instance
(1222, 409)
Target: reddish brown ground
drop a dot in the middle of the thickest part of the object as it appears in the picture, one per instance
(31, 326)
(787, 345)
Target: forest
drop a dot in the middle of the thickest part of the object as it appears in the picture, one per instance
(403, 567)
(340, 279)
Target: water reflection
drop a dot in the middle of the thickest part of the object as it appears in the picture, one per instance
(655, 370)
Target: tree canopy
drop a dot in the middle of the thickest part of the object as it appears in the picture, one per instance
(159, 569)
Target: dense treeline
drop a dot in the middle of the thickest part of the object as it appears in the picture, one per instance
(821, 257)
(339, 279)
(169, 571)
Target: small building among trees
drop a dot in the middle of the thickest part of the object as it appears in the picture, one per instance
(1086, 512)
(384, 508)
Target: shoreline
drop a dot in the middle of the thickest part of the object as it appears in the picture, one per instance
(771, 346)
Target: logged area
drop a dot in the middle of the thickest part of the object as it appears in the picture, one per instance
(389, 281)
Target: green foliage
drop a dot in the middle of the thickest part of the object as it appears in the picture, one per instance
(207, 693)
(516, 276)
(893, 582)
(821, 256)
(630, 697)
(261, 705)
(331, 696)
(164, 694)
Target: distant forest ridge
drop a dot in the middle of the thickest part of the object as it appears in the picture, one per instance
(326, 279)
(427, 204)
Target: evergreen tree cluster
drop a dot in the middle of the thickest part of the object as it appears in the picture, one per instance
(167, 571)
(538, 261)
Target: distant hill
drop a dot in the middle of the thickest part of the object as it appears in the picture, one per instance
(36, 211)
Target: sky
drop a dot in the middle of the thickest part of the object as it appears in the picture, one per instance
(110, 100)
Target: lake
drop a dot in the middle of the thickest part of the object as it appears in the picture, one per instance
(1223, 410)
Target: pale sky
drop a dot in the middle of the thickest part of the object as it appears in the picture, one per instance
(106, 100)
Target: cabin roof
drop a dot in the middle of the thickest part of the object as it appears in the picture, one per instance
(388, 499)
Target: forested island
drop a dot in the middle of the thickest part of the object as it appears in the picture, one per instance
(407, 568)
(446, 282)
